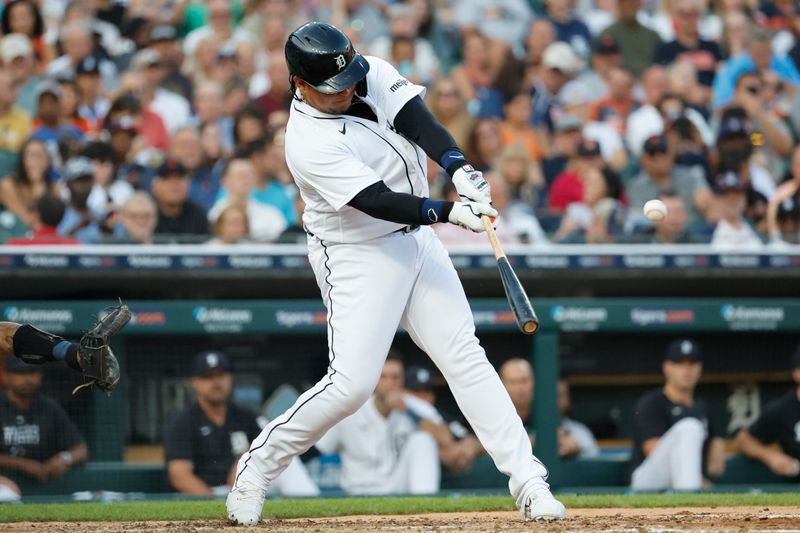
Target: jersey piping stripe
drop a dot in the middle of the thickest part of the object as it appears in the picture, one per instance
(408, 177)
(330, 366)
(405, 165)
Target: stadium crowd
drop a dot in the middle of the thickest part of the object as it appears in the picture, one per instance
(133, 121)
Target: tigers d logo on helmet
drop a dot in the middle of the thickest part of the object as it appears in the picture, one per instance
(340, 62)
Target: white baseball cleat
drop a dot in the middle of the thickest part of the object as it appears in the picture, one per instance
(244, 505)
(543, 506)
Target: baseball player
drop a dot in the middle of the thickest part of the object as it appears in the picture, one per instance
(674, 442)
(356, 142)
(780, 422)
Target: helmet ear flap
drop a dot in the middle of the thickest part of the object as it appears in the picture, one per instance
(361, 88)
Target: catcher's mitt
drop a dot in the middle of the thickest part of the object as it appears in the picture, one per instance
(98, 364)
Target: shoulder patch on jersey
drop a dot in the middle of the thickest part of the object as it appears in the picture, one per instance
(399, 83)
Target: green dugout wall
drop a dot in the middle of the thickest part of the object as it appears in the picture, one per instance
(624, 317)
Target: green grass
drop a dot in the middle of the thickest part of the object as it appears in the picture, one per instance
(215, 509)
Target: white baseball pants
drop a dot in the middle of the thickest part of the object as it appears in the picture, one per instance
(368, 289)
(676, 463)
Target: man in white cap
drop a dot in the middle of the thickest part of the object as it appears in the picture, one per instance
(16, 54)
(559, 65)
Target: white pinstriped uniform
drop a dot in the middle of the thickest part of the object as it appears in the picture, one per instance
(374, 278)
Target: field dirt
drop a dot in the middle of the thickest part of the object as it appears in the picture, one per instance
(737, 519)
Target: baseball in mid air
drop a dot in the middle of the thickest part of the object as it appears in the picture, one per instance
(655, 210)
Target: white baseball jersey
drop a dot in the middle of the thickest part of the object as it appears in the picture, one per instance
(351, 153)
(369, 446)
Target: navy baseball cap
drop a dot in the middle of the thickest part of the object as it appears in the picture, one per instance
(682, 349)
(656, 144)
(588, 148)
(606, 45)
(418, 378)
(208, 361)
(734, 126)
(171, 167)
(15, 365)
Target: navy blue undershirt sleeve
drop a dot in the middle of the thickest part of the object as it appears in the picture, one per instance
(379, 201)
(417, 124)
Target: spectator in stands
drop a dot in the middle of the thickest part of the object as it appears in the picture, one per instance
(448, 106)
(484, 143)
(637, 43)
(660, 173)
(138, 102)
(172, 108)
(383, 448)
(568, 186)
(47, 127)
(779, 423)
(569, 28)
(504, 22)
(789, 221)
(458, 448)
(69, 103)
(272, 189)
(79, 221)
(475, 77)
(203, 442)
(592, 83)
(266, 222)
(277, 98)
(541, 34)
(219, 25)
(232, 226)
(615, 108)
(524, 183)
(177, 215)
(164, 40)
(674, 441)
(689, 46)
(249, 124)
(599, 218)
(733, 232)
(108, 193)
(22, 17)
(574, 438)
(138, 220)
(40, 442)
(204, 172)
(759, 57)
(94, 105)
(18, 57)
(646, 120)
(208, 105)
(49, 213)
(566, 140)
(559, 66)
(123, 127)
(20, 191)
(413, 55)
(516, 128)
(15, 124)
(787, 192)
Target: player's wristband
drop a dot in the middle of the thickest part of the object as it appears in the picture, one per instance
(433, 211)
(451, 160)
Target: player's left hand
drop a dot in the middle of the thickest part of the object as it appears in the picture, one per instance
(471, 185)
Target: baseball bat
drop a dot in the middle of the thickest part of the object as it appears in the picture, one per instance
(520, 304)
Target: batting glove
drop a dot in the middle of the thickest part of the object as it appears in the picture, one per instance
(468, 215)
(471, 186)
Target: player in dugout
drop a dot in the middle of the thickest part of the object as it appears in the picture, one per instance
(780, 422)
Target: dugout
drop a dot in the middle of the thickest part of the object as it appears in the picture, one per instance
(610, 348)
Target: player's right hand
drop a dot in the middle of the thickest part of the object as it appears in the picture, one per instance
(468, 215)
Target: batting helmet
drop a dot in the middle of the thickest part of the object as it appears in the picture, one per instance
(322, 56)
